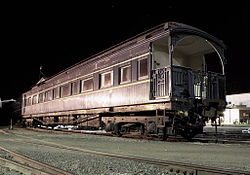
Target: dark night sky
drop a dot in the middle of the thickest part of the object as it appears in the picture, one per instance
(59, 35)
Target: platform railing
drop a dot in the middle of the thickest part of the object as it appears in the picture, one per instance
(161, 82)
(188, 83)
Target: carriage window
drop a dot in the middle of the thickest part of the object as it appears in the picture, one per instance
(64, 90)
(29, 101)
(34, 99)
(40, 98)
(143, 68)
(107, 79)
(24, 101)
(73, 88)
(47, 95)
(53, 94)
(125, 74)
(60, 92)
(87, 85)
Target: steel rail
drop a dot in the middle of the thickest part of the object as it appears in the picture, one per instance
(178, 167)
(169, 139)
(28, 165)
(20, 167)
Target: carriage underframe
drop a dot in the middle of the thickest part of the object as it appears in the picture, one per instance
(148, 119)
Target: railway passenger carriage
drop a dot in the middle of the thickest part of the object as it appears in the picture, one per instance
(167, 80)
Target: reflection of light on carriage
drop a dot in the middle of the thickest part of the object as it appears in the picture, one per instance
(167, 80)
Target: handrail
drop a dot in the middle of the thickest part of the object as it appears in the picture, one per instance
(188, 83)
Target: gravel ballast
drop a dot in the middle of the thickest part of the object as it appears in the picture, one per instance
(8, 171)
(218, 155)
(83, 163)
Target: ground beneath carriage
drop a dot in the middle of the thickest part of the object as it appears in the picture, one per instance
(231, 156)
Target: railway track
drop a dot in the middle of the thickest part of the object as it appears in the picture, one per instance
(202, 138)
(175, 167)
(223, 137)
(29, 166)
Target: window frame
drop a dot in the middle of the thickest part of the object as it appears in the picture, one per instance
(65, 90)
(60, 91)
(102, 75)
(47, 95)
(24, 101)
(29, 101)
(74, 88)
(121, 74)
(34, 99)
(53, 94)
(139, 68)
(82, 84)
(41, 97)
